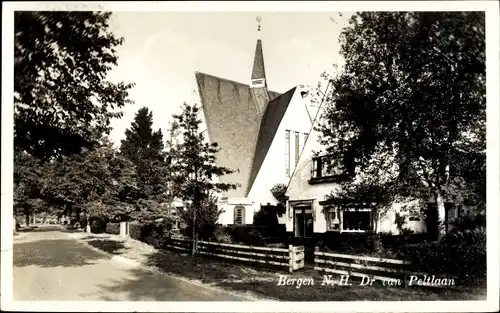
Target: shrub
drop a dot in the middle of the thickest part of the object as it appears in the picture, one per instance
(255, 238)
(113, 228)
(97, 224)
(279, 191)
(459, 253)
(156, 233)
(134, 230)
(222, 235)
(468, 222)
(266, 217)
(239, 234)
(207, 214)
(83, 223)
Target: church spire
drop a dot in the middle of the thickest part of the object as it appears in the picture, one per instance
(259, 84)
(258, 71)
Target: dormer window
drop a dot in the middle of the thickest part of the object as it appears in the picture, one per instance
(321, 167)
(321, 172)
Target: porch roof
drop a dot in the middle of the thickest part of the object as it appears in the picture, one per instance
(336, 201)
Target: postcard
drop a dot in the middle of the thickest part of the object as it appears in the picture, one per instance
(250, 156)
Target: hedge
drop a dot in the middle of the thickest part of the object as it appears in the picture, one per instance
(97, 224)
(113, 228)
(461, 254)
(134, 230)
(255, 235)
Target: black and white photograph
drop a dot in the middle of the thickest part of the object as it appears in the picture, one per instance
(250, 156)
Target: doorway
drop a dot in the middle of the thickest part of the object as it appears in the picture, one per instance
(303, 222)
(303, 228)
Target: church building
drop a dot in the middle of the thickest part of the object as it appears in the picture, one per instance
(260, 132)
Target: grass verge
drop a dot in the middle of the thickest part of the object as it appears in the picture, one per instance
(263, 282)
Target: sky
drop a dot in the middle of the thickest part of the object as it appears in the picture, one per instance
(163, 50)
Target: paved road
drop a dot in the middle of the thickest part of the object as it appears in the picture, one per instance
(49, 265)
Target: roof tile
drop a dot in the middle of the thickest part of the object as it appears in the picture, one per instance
(233, 122)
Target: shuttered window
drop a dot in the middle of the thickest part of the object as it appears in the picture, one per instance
(239, 215)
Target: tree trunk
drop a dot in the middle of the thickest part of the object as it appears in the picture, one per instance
(78, 212)
(194, 236)
(441, 214)
(195, 207)
(27, 216)
(375, 219)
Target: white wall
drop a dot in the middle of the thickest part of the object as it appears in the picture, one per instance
(273, 169)
(227, 206)
(300, 189)
(386, 223)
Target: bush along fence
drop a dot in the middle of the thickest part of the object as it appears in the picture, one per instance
(122, 229)
(291, 258)
(390, 272)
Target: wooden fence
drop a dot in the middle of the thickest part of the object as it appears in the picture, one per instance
(391, 272)
(360, 266)
(292, 258)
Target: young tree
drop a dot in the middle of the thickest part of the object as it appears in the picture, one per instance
(195, 162)
(413, 89)
(62, 99)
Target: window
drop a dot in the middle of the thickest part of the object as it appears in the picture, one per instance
(297, 148)
(239, 215)
(321, 168)
(304, 141)
(333, 221)
(357, 219)
(287, 153)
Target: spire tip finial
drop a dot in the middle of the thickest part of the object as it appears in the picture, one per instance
(258, 25)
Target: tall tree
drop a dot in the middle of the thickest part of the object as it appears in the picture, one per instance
(62, 99)
(145, 148)
(27, 184)
(140, 140)
(195, 161)
(413, 89)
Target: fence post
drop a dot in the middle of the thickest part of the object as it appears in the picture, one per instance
(123, 229)
(316, 249)
(291, 258)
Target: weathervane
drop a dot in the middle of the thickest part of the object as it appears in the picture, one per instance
(258, 27)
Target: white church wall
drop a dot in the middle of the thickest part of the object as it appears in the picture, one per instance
(273, 169)
(227, 205)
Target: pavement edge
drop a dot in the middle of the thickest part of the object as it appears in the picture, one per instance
(118, 258)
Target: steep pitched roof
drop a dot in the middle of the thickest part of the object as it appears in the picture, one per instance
(233, 121)
(268, 127)
(258, 62)
(273, 95)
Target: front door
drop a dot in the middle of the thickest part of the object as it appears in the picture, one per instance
(303, 231)
(303, 222)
